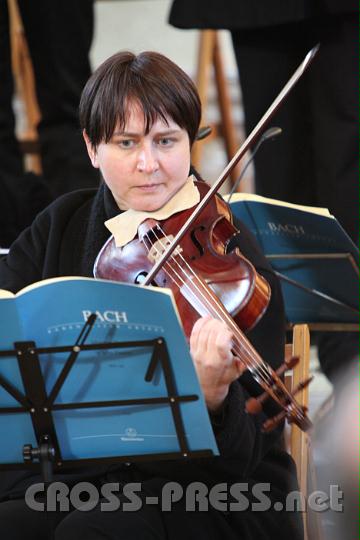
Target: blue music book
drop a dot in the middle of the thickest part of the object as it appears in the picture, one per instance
(309, 248)
(52, 313)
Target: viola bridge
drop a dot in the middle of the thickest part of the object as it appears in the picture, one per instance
(159, 247)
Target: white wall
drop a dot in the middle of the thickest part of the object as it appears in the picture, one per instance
(139, 25)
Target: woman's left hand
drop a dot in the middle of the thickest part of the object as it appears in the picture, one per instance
(216, 366)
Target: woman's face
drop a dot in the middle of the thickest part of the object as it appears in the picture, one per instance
(143, 171)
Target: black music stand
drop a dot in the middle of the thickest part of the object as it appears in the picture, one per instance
(42, 406)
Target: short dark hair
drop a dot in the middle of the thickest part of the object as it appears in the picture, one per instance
(161, 88)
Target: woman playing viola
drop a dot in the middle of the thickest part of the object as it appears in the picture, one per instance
(140, 116)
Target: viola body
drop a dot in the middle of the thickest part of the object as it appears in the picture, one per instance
(244, 293)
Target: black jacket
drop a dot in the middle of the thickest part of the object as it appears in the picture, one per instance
(236, 14)
(64, 240)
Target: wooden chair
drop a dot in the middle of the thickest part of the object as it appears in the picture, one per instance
(25, 88)
(210, 59)
(298, 442)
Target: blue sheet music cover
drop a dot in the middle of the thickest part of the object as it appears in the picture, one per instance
(329, 265)
(52, 313)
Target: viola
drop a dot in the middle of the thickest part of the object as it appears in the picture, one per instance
(206, 280)
(202, 257)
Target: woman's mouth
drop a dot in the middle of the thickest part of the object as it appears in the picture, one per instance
(149, 187)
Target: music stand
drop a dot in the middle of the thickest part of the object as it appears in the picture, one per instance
(103, 402)
(313, 257)
(304, 303)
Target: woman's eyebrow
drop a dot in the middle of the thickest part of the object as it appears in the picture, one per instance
(168, 132)
(125, 134)
(139, 134)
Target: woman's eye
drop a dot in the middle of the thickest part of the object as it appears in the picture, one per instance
(165, 141)
(126, 143)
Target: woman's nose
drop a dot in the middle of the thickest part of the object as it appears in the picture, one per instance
(147, 161)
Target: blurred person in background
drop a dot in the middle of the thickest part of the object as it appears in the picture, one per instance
(59, 36)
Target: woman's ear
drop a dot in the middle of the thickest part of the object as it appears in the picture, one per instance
(91, 150)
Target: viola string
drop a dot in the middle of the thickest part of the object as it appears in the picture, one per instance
(242, 352)
(171, 277)
(260, 365)
(263, 366)
(250, 360)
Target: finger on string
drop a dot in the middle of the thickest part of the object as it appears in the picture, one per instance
(224, 344)
(207, 336)
(240, 366)
(195, 336)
